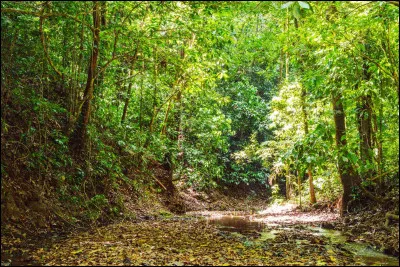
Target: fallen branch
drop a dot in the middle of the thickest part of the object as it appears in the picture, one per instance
(372, 196)
(160, 183)
(382, 174)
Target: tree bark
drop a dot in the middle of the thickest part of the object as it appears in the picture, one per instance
(164, 128)
(313, 199)
(305, 124)
(287, 181)
(128, 93)
(364, 120)
(347, 175)
(78, 140)
(287, 53)
(364, 114)
(346, 172)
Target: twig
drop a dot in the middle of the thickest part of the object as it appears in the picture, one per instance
(160, 183)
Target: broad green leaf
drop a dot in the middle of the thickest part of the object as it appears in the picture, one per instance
(287, 4)
(296, 12)
(304, 4)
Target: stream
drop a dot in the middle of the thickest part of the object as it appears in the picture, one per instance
(275, 237)
(362, 254)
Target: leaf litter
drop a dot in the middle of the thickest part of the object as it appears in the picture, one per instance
(191, 240)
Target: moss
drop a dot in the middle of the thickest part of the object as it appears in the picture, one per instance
(165, 214)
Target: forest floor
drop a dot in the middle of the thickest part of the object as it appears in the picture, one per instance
(273, 235)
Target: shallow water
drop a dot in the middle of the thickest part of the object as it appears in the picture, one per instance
(239, 224)
(239, 240)
(361, 253)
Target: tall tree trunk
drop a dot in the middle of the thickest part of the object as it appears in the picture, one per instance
(178, 132)
(346, 172)
(313, 199)
(364, 119)
(154, 113)
(164, 128)
(378, 135)
(281, 66)
(305, 124)
(287, 42)
(127, 98)
(299, 185)
(78, 140)
(141, 98)
(103, 13)
(128, 93)
(287, 181)
(347, 175)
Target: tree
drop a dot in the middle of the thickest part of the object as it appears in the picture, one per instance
(78, 139)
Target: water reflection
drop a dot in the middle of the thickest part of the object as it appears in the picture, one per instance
(239, 224)
(362, 253)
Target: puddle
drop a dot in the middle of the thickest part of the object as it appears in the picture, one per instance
(238, 224)
(265, 235)
(367, 256)
(362, 254)
(335, 237)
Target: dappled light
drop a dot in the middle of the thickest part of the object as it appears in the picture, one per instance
(196, 133)
(291, 214)
(278, 208)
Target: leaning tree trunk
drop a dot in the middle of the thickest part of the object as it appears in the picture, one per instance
(78, 140)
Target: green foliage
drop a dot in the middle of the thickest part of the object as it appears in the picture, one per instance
(227, 93)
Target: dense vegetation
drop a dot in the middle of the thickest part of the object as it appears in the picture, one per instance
(103, 100)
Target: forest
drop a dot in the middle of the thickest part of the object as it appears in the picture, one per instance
(200, 133)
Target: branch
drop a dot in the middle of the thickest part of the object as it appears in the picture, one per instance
(25, 12)
(129, 14)
(115, 43)
(112, 58)
(357, 8)
(38, 14)
(128, 78)
(170, 97)
(383, 174)
(371, 196)
(42, 38)
(395, 78)
(396, 3)
(381, 68)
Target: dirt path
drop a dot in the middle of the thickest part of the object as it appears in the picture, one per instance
(276, 236)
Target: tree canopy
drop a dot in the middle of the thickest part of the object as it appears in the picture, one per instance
(298, 97)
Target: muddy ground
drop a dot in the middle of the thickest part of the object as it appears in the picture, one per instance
(276, 235)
